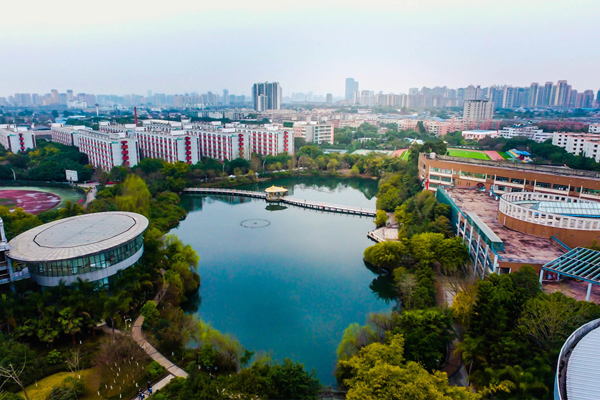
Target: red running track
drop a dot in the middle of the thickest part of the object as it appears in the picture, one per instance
(32, 201)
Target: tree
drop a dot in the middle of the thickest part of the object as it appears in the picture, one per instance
(386, 255)
(113, 307)
(379, 372)
(381, 218)
(135, 196)
(15, 362)
(149, 312)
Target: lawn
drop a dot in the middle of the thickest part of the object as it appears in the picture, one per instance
(468, 154)
(506, 156)
(42, 389)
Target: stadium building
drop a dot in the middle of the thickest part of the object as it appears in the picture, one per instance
(92, 247)
(578, 369)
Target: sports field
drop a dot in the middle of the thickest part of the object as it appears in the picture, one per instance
(468, 154)
(35, 200)
(402, 153)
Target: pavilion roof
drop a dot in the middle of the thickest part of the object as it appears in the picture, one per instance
(578, 263)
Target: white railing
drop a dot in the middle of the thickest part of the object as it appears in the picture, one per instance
(509, 205)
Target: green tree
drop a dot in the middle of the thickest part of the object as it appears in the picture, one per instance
(381, 218)
(150, 312)
(135, 196)
(379, 372)
(386, 255)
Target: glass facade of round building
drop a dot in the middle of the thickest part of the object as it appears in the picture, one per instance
(91, 247)
(86, 264)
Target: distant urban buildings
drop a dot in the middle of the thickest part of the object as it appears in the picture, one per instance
(266, 96)
(478, 110)
(351, 90)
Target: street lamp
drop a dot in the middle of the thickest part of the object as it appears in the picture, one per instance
(265, 160)
(14, 175)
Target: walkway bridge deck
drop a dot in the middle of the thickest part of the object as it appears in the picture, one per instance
(314, 205)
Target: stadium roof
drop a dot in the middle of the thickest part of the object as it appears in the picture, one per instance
(77, 236)
(583, 370)
(578, 209)
(578, 263)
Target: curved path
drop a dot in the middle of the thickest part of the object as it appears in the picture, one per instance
(138, 336)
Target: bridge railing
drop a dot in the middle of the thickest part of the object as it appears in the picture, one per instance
(289, 200)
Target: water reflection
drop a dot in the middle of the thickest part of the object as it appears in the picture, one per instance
(275, 207)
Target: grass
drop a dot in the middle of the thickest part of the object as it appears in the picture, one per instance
(42, 389)
(504, 155)
(405, 155)
(468, 154)
(8, 203)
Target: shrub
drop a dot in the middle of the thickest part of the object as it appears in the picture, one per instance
(54, 357)
(154, 370)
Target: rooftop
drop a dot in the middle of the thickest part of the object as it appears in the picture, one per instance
(77, 236)
(583, 370)
(518, 247)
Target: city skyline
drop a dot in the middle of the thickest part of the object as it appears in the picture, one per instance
(115, 49)
(268, 96)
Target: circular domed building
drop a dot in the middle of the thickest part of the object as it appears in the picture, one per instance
(91, 246)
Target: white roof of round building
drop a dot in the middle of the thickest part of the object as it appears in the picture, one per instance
(77, 236)
(583, 369)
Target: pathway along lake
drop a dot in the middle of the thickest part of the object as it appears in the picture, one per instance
(283, 279)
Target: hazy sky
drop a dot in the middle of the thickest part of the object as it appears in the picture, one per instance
(177, 46)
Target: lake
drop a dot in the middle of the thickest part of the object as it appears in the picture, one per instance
(282, 279)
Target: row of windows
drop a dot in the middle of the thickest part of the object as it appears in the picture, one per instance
(472, 175)
(85, 264)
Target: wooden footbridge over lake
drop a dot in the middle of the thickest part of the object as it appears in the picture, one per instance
(313, 205)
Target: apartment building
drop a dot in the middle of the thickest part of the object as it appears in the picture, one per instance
(66, 135)
(314, 132)
(16, 138)
(438, 128)
(222, 143)
(528, 131)
(573, 142)
(479, 134)
(107, 150)
(505, 176)
(594, 128)
(478, 110)
(268, 139)
(170, 145)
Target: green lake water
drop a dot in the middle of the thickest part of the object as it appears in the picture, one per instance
(282, 279)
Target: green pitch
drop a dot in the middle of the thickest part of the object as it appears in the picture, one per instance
(405, 155)
(468, 154)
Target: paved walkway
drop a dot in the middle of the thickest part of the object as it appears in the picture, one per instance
(138, 336)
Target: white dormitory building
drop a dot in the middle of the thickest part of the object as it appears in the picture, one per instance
(173, 141)
(584, 144)
(107, 150)
(594, 128)
(479, 134)
(16, 138)
(529, 132)
(314, 132)
(170, 146)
